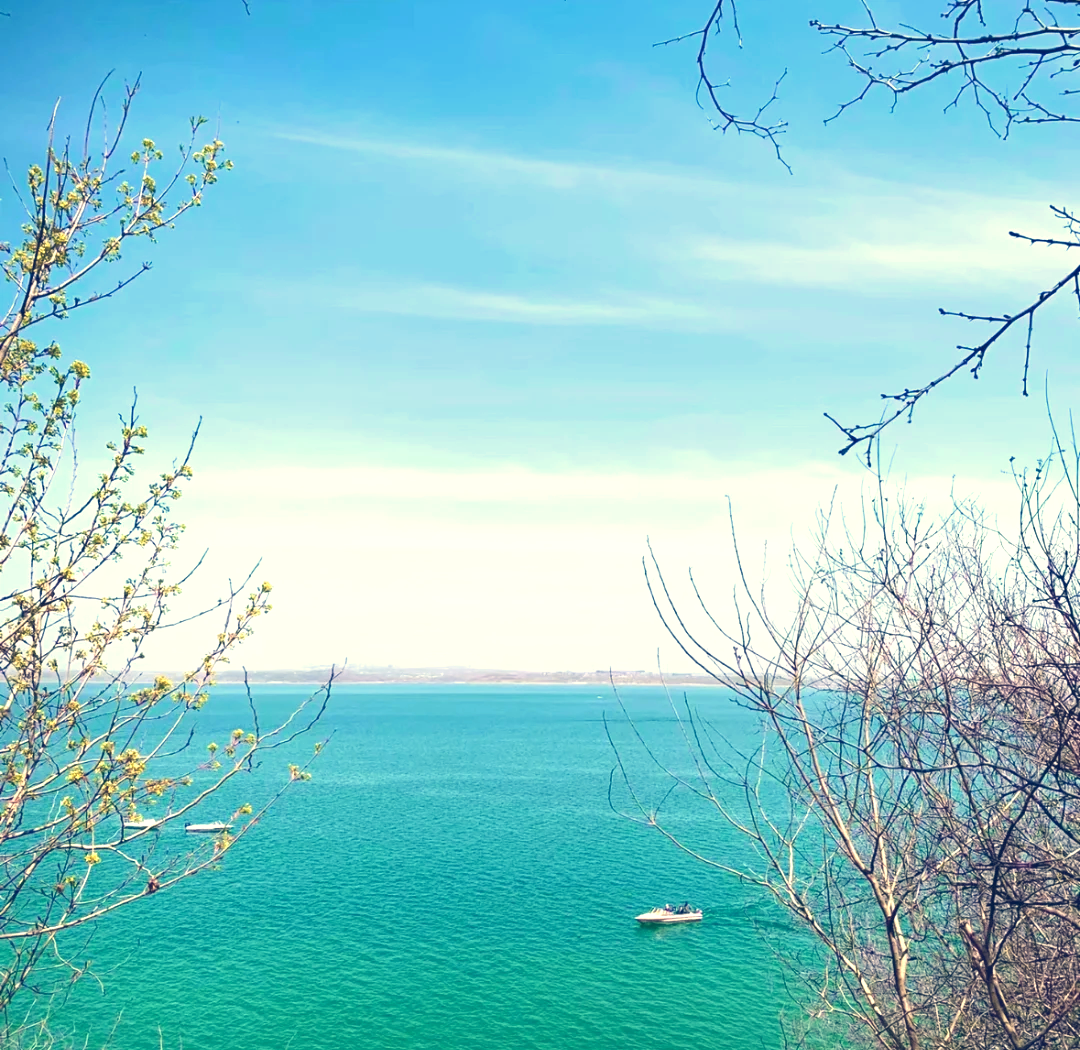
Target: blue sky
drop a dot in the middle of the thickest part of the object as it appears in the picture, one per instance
(486, 302)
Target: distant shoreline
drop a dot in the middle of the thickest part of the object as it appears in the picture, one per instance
(453, 676)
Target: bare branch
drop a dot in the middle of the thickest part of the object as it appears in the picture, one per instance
(726, 118)
(911, 792)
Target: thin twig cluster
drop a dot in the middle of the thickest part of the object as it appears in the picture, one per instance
(912, 796)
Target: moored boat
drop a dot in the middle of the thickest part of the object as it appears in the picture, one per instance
(667, 914)
(213, 827)
(141, 825)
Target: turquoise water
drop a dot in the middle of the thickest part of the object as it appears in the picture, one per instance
(452, 877)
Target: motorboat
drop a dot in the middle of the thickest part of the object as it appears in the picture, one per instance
(668, 914)
(141, 825)
(212, 828)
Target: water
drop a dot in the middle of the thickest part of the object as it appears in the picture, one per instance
(453, 877)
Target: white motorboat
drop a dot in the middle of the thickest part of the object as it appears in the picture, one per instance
(141, 825)
(667, 914)
(212, 828)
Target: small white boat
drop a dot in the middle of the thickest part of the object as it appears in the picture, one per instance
(213, 828)
(667, 914)
(141, 825)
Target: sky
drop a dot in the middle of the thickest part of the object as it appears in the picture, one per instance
(487, 305)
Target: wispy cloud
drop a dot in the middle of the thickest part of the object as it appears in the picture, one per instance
(445, 302)
(678, 234)
(880, 236)
(859, 264)
(555, 174)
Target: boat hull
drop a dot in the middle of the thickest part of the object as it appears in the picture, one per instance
(659, 917)
(207, 828)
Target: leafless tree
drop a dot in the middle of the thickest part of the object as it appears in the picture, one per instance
(913, 799)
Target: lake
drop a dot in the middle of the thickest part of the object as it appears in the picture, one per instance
(452, 877)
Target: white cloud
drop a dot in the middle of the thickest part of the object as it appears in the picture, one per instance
(848, 264)
(463, 304)
(678, 234)
(495, 164)
(869, 233)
